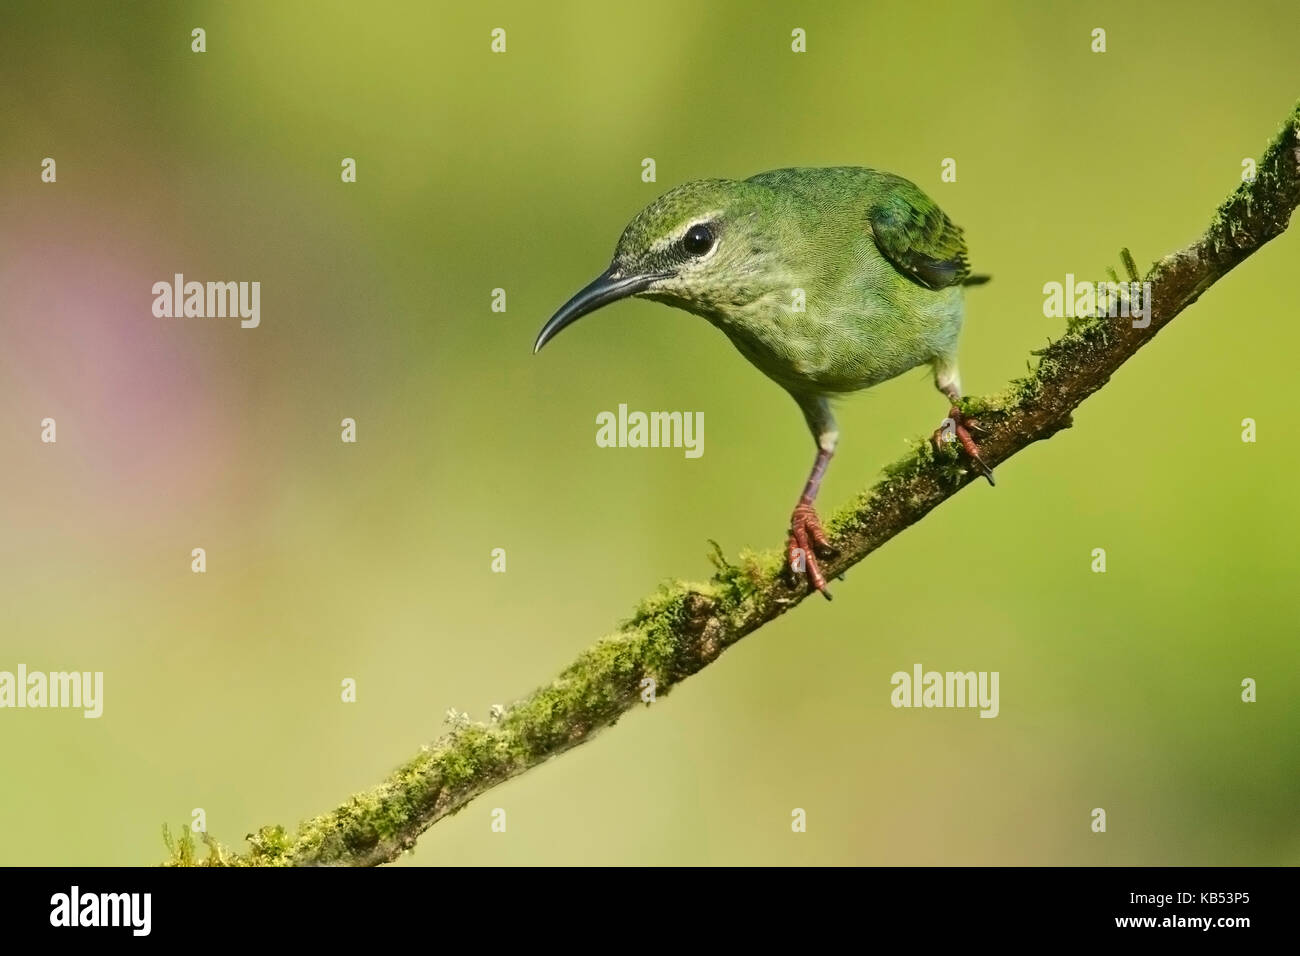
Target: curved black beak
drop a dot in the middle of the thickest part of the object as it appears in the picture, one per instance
(609, 286)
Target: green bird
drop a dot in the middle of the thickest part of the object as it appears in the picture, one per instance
(829, 280)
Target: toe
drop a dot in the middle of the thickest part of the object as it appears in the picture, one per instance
(808, 542)
(815, 575)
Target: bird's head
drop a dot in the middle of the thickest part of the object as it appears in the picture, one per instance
(706, 247)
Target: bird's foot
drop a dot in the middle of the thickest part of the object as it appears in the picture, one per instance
(807, 543)
(957, 427)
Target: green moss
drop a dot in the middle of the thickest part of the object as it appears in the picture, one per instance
(183, 850)
(732, 585)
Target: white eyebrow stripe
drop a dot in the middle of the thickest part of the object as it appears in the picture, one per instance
(676, 235)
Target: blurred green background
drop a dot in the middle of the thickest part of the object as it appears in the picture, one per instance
(372, 561)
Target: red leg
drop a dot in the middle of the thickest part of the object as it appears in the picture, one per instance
(807, 538)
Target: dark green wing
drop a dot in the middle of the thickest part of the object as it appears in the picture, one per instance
(918, 239)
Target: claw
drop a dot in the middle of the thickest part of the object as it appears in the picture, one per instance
(973, 452)
(956, 425)
(808, 542)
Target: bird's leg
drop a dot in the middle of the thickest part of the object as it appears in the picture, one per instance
(957, 425)
(808, 540)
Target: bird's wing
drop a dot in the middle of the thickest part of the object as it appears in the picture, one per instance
(917, 238)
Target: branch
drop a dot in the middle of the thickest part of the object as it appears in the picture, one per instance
(685, 627)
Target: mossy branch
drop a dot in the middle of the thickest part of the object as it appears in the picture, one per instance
(685, 627)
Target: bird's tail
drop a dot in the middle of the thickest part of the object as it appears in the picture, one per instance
(976, 280)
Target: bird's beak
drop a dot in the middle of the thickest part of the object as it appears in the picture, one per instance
(610, 286)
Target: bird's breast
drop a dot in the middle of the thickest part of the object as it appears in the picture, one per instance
(835, 347)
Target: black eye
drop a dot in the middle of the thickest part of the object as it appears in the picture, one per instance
(698, 239)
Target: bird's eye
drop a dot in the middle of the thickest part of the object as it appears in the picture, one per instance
(698, 239)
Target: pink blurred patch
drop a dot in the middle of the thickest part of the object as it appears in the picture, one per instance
(132, 393)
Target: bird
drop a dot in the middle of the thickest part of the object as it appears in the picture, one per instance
(829, 280)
